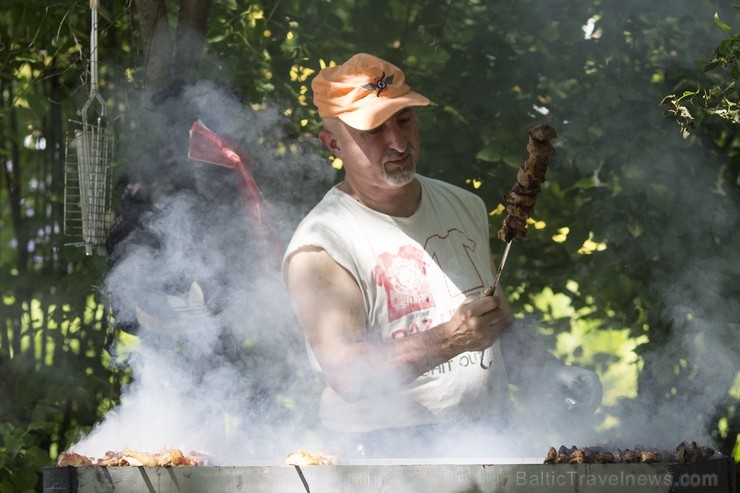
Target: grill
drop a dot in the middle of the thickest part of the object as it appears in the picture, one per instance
(714, 475)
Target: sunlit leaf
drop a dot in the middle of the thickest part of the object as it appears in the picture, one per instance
(721, 24)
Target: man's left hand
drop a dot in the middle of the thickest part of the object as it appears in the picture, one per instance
(579, 389)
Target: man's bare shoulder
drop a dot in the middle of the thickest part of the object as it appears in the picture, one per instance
(315, 279)
(312, 265)
(306, 257)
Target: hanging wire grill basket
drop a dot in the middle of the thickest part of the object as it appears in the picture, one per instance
(88, 165)
(87, 185)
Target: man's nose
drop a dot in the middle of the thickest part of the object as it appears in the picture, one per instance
(396, 137)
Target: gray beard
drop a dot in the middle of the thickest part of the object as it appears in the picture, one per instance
(401, 177)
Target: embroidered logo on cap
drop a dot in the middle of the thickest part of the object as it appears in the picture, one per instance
(381, 84)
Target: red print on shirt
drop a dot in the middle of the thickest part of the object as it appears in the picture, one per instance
(404, 277)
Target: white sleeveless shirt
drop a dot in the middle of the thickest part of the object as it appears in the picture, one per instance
(413, 273)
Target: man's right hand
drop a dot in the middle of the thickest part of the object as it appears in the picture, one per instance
(477, 323)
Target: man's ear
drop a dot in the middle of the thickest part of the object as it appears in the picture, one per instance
(330, 141)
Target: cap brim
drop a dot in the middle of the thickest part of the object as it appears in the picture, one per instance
(371, 116)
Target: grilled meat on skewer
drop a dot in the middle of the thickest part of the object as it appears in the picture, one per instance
(521, 198)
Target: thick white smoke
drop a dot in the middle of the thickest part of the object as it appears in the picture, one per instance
(220, 366)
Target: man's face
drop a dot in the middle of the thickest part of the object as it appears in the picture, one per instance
(387, 153)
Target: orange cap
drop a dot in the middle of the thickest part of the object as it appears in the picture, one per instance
(363, 92)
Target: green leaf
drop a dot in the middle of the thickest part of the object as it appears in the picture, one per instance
(721, 24)
(490, 153)
(583, 183)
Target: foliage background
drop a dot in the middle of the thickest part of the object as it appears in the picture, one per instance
(630, 265)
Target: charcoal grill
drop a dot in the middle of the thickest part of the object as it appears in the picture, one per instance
(714, 475)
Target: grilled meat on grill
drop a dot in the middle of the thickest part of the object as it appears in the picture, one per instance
(628, 456)
(650, 456)
(577, 456)
(112, 459)
(605, 457)
(133, 458)
(306, 458)
(693, 452)
(127, 457)
(521, 198)
(684, 453)
(74, 459)
(552, 456)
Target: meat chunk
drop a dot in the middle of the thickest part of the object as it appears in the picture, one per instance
(306, 458)
(73, 459)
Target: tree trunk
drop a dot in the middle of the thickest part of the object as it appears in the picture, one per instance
(13, 182)
(191, 28)
(158, 44)
(164, 55)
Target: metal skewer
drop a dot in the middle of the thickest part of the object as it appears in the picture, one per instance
(493, 290)
(501, 267)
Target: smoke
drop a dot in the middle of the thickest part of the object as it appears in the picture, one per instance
(686, 250)
(687, 375)
(219, 367)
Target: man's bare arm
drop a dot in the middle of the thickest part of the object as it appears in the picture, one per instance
(330, 309)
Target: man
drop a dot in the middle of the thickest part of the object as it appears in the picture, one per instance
(390, 279)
